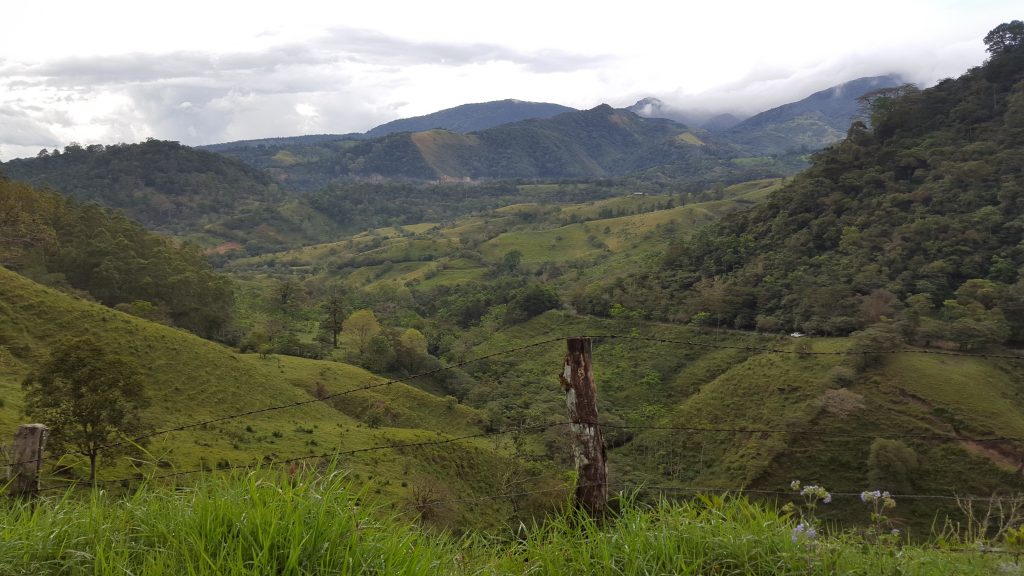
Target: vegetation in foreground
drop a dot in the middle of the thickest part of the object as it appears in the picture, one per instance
(319, 523)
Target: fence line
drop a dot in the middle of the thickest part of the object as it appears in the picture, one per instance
(803, 353)
(926, 436)
(324, 455)
(512, 430)
(886, 436)
(699, 429)
(276, 407)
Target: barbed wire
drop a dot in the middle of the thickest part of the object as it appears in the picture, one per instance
(836, 435)
(463, 363)
(840, 494)
(325, 455)
(236, 415)
(800, 352)
(860, 435)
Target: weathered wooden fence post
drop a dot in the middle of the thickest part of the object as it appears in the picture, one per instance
(588, 445)
(27, 459)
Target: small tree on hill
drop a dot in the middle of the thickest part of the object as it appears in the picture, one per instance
(88, 397)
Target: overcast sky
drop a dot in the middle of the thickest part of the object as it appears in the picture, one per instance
(205, 72)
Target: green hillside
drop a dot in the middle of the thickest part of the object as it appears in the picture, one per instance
(598, 143)
(825, 417)
(189, 380)
(832, 412)
(99, 252)
(161, 184)
(914, 219)
(809, 124)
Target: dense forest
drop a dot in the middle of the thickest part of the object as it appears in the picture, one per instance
(106, 257)
(917, 216)
(159, 183)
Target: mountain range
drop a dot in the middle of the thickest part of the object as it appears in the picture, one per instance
(180, 189)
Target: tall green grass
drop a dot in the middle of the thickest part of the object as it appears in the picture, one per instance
(248, 524)
(719, 535)
(319, 523)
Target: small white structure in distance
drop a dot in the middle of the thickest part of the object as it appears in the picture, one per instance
(797, 334)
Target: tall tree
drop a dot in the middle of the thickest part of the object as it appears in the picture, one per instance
(335, 309)
(89, 397)
(1005, 37)
(360, 328)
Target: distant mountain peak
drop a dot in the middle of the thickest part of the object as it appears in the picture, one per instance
(649, 107)
(808, 124)
(473, 117)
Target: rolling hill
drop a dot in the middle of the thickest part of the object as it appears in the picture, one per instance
(597, 143)
(189, 379)
(161, 184)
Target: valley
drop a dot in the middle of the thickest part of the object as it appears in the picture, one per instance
(786, 312)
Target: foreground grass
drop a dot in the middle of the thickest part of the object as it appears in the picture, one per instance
(258, 523)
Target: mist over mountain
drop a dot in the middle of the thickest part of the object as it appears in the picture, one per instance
(651, 107)
(808, 124)
(804, 125)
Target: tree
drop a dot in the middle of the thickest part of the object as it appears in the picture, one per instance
(870, 344)
(89, 397)
(334, 316)
(510, 263)
(1005, 37)
(379, 355)
(414, 341)
(531, 301)
(288, 295)
(891, 465)
(412, 349)
(360, 328)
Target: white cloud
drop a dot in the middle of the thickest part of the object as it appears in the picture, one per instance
(202, 72)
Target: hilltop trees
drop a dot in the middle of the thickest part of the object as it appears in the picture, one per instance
(89, 397)
(1005, 37)
(923, 202)
(61, 242)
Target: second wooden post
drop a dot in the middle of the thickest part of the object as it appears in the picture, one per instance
(27, 460)
(588, 445)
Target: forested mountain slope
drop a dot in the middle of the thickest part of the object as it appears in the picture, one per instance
(596, 143)
(162, 184)
(101, 253)
(809, 124)
(918, 217)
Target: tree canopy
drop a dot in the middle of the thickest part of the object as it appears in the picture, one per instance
(901, 220)
(1005, 37)
(86, 247)
(89, 397)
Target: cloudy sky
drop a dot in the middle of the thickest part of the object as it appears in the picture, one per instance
(204, 72)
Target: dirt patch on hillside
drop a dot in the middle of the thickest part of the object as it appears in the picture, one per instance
(224, 248)
(997, 457)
